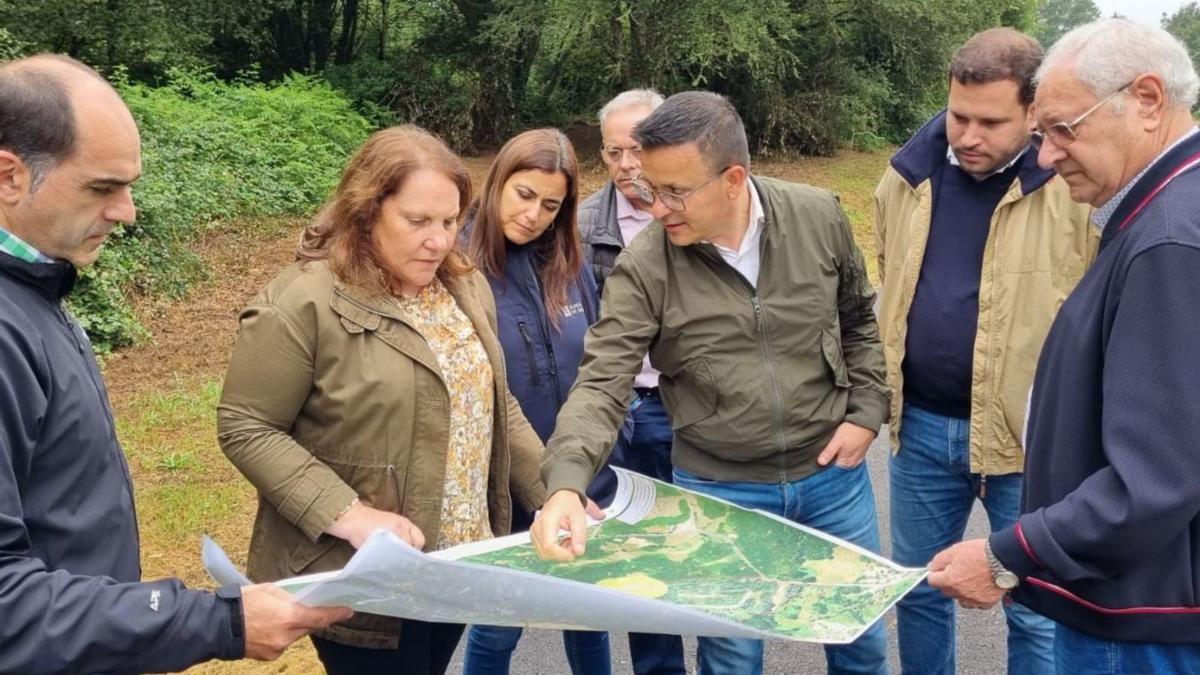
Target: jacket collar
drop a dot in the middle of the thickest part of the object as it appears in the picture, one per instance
(52, 280)
(607, 231)
(1149, 183)
(925, 153)
(361, 311)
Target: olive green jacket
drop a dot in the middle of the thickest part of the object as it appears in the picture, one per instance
(756, 381)
(332, 395)
(1039, 244)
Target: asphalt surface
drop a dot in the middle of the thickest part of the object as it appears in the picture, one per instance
(981, 634)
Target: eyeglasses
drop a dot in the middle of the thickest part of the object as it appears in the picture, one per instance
(671, 200)
(613, 154)
(1063, 133)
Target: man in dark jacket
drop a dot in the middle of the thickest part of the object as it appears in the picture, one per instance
(70, 599)
(1108, 540)
(608, 220)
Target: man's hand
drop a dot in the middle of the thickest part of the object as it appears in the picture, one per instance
(273, 620)
(562, 511)
(848, 446)
(962, 573)
(360, 521)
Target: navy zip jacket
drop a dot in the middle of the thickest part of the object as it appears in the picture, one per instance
(1109, 539)
(70, 601)
(541, 361)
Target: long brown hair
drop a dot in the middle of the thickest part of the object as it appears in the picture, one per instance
(558, 248)
(341, 232)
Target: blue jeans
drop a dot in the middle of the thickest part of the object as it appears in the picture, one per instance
(646, 449)
(836, 501)
(1077, 653)
(490, 648)
(932, 492)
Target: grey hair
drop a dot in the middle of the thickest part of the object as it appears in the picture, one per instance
(634, 98)
(1109, 53)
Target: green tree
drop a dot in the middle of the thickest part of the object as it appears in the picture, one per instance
(1185, 25)
(1056, 17)
(10, 47)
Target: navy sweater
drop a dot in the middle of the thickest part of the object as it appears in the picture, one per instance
(940, 347)
(1109, 539)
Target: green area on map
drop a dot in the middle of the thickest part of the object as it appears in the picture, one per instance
(733, 563)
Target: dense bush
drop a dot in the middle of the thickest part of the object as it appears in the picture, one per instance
(10, 47)
(212, 151)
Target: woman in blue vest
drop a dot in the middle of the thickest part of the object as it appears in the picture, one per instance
(522, 235)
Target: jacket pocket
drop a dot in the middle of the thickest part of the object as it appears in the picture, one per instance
(530, 353)
(692, 394)
(377, 485)
(320, 556)
(831, 347)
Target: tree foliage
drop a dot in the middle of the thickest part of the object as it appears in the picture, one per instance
(808, 75)
(1056, 17)
(1185, 25)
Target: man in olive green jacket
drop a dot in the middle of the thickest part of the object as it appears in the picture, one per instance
(977, 247)
(752, 300)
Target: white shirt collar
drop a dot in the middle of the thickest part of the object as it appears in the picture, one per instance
(953, 159)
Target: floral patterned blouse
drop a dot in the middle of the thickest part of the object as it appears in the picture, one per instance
(468, 375)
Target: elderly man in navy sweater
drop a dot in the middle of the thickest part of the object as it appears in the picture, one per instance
(1109, 539)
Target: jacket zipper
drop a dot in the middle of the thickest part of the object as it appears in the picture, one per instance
(551, 359)
(110, 418)
(529, 352)
(760, 327)
(394, 479)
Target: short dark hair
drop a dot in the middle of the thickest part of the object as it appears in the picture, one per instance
(709, 120)
(37, 119)
(999, 54)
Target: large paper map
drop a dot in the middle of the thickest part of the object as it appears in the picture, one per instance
(664, 560)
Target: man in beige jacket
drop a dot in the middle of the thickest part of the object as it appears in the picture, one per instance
(977, 248)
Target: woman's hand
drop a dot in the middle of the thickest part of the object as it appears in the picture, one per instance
(356, 524)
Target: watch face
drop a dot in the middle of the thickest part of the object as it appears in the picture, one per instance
(1007, 580)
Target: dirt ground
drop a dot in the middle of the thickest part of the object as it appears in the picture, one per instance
(164, 391)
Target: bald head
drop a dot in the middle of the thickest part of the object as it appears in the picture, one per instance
(43, 99)
(69, 154)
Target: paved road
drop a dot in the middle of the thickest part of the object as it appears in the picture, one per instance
(981, 641)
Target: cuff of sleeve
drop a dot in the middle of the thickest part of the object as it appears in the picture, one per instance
(319, 507)
(235, 647)
(566, 473)
(867, 409)
(1012, 550)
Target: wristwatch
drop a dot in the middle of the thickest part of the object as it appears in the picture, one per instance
(1001, 576)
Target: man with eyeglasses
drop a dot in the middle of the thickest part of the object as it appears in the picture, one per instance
(977, 246)
(1107, 542)
(608, 221)
(753, 302)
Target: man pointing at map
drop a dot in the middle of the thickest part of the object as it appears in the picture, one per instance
(752, 300)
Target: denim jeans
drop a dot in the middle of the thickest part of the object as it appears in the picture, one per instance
(490, 648)
(836, 501)
(645, 448)
(932, 492)
(1077, 653)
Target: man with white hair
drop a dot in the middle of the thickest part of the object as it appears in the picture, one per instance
(608, 220)
(1107, 544)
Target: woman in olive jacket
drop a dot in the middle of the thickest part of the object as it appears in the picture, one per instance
(367, 389)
